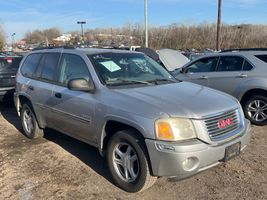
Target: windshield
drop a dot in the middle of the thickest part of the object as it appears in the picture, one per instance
(129, 68)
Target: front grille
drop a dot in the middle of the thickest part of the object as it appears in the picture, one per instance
(222, 124)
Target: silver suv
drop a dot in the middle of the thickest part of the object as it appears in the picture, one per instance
(144, 121)
(242, 74)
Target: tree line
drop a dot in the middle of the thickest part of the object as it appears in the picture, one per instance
(175, 36)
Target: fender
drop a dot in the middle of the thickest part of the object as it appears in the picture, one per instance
(255, 83)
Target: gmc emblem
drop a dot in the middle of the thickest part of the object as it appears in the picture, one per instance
(224, 123)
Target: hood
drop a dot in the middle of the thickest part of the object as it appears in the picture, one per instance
(172, 59)
(182, 99)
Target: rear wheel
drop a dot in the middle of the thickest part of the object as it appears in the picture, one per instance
(29, 123)
(255, 109)
(128, 162)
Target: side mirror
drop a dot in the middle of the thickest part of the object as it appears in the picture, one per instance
(183, 70)
(81, 85)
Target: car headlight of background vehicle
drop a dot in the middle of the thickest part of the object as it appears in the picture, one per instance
(174, 129)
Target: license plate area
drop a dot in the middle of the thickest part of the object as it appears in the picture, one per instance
(232, 151)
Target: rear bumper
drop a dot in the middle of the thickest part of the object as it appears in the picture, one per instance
(183, 160)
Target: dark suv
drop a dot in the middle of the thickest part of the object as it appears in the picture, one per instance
(9, 64)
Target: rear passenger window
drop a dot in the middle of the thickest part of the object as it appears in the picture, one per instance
(72, 67)
(49, 65)
(30, 64)
(262, 57)
(230, 63)
(247, 66)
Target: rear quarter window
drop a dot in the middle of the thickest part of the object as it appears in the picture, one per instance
(30, 64)
(262, 57)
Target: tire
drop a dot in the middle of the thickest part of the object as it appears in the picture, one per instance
(126, 154)
(29, 123)
(255, 110)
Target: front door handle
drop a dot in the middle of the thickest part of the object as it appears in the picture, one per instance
(242, 76)
(58, 95)
(203, 77)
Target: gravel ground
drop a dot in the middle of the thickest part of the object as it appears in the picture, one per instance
(59, 167)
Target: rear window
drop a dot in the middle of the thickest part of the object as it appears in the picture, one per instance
(9, 63)
(230, 63)
(30, 64)
(262, 58)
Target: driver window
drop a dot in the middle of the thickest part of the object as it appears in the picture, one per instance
(203, 65)
(72, 67)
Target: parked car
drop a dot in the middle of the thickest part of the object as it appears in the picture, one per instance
(146, 123)
(9, 64)
(242, 74)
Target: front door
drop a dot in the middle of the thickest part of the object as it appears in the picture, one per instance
(199, 72)
(73, 110)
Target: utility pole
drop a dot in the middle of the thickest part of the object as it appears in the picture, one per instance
(219, 26)
(81, 23)
(13, 40)
(146, 22)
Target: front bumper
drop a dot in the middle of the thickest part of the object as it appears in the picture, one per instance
(185, 159)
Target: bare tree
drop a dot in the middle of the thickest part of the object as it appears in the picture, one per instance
(2, 38)
(42, 36)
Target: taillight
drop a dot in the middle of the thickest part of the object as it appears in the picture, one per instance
(9, 60)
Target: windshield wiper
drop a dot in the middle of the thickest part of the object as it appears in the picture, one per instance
(126, 82)
(158, 80)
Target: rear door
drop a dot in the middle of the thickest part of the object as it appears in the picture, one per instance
(199, 71)
(73, 111)
(41, 82)
(229, 74)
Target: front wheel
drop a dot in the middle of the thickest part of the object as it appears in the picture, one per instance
(128, 162)
(255, 110)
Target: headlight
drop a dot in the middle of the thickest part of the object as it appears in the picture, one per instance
(174, 129)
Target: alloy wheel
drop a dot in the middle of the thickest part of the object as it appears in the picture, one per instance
(257, 110)
(126, 162)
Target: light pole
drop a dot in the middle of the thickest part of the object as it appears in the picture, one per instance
(219, 25)
(13, 40)
(81, 23)
(146, 22)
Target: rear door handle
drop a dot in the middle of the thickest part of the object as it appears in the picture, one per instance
(203, 77)
(241, 76)
(58, 95)
(31, 87)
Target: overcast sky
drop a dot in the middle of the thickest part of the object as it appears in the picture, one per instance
(20, 16)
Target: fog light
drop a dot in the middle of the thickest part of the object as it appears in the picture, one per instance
(190, 164)
(165, 147)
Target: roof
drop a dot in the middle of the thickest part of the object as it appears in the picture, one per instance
(88, 51)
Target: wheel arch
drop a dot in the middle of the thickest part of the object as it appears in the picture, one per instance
(24, 99)
(112, 126)
(252, 92)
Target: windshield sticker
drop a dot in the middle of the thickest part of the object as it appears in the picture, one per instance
(111, 66)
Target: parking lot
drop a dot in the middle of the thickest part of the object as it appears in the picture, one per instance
(59, 167)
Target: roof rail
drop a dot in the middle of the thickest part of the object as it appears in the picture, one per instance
(245, 49)
(54, 47)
